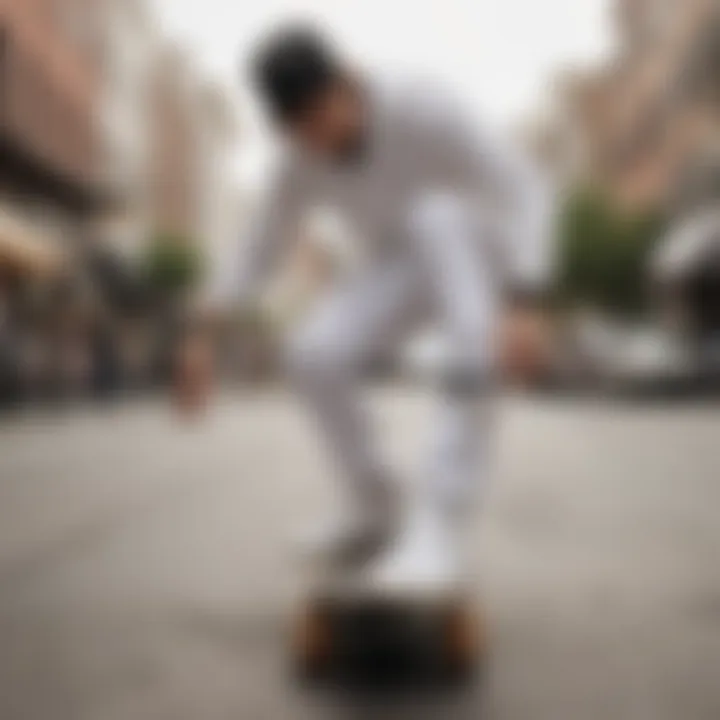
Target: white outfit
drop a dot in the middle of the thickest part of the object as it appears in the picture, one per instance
(447, 215)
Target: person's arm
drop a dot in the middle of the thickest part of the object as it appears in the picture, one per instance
(525, 224)
(512, 191)
(519, 211)
(238, 277)
(273, 228)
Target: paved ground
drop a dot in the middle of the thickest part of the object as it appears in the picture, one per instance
(144, 572)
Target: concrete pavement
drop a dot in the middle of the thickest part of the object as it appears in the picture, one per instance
(145, 573)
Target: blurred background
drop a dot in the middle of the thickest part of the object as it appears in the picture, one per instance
(133, 153)
(142, 562)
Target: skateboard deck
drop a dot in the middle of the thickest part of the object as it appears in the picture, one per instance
(345, 626)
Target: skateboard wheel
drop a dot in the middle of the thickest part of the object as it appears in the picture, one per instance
(463, 641)
(312, 642)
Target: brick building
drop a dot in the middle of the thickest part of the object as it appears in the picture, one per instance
(49, 80)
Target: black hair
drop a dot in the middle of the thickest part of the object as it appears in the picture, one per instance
(291, 69)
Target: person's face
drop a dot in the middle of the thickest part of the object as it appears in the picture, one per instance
(333, 127)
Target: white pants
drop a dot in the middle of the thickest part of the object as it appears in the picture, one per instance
(439, 277)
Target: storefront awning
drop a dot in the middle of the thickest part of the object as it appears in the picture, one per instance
(25, 248)
(687, 246)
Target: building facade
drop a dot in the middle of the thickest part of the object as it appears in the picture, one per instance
(109, 137)
(219, 206)
(49, 139)
(130, 48)
(174, 168)
(650, 112)
(193, 193)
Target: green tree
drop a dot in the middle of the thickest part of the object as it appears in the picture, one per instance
(604, 253)
(172, 265)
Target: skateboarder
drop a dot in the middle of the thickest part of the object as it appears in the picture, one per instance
(454, 228)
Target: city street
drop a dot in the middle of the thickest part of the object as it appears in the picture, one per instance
(146, 571)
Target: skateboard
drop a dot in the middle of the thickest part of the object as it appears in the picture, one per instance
(346, 628)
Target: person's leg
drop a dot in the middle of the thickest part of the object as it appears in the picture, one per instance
(325, 358)
(460, 462)
(444, 232)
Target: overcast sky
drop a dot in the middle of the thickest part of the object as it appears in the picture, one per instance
(500, 53)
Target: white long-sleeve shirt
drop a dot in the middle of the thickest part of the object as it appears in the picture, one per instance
(420, 140)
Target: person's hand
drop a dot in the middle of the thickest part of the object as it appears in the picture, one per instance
(524, 345)
(193, 374)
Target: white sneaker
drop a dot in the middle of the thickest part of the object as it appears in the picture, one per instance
(423, 559)
(352, 535)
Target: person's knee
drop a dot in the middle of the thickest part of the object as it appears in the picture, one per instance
(311, 359)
